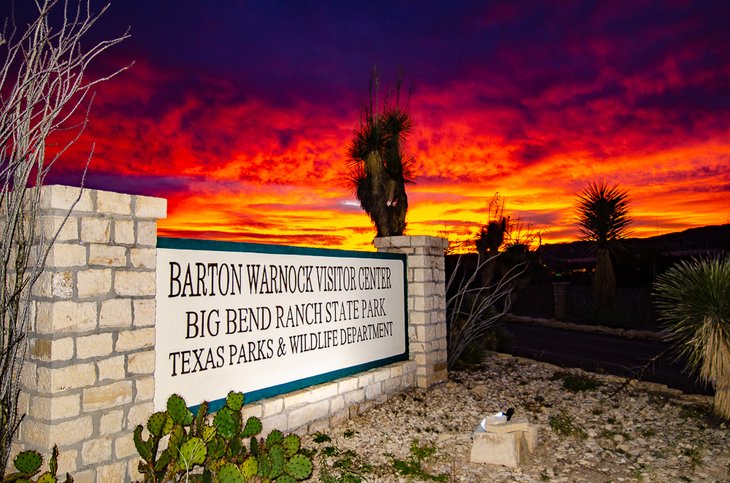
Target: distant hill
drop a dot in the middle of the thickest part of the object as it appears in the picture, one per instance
(693, 241)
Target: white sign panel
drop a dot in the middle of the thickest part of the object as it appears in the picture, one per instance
(265, 320)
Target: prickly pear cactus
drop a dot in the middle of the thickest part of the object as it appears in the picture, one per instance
(299, 467)
(276, 457)
(28, 462)
(193, 452)
(156, 424)
(226, 423)
(275, 437)
(229, 473)
(176, 408)
(253, 426)
(291, 444)
(234, 400)
(249, 468)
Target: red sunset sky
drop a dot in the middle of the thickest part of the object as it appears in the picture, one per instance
(240, 113)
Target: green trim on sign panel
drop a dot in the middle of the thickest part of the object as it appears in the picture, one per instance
(292, 386)
(227, 246)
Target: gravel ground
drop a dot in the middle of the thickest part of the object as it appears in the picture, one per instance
(644, 432)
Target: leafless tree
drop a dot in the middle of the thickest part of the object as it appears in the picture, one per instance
(472, 307)
(45, 87)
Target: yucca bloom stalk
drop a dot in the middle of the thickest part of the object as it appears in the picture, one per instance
(693, 300)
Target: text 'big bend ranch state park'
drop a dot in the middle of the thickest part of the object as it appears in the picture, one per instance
(250, 281)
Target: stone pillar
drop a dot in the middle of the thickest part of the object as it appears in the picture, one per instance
(426, 302)
(559, 289)
(88, 376)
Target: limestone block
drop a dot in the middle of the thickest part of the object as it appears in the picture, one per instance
(149, 207)
(110, 422)
(67, 463)
(95, 229)
(65, 198)
(373, 390)
(111, 472)
(61, 433)
(272, 407)
(381, 374)
(143, 257)
(96, 451)
(95, 345)
(62, 255)
(116, 313)
(107, 396)
(127, 283)
(93, 283)
(108, 256)
(348, 384)
(52, 380)
(54, 284)
(305, 415)
(354, 397)
(147, 233)
(297, 398)
(144, 312)
(65, 316)
(324, 391)
(505, 443)
(56, 407)
(52, 350)
(113, 368)
(277, 421)
(113, 203)
(60, 227)
(141, 362)
(135, 339)
(497, 449)
(252, 410)
(124, 232)
(144, 389)
(138, 414)
(124, 447)
(337, 403)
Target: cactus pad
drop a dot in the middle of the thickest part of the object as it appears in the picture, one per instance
(299, 467)
(285, 479)
(234, 400)
(156, 424)
(229, 473)
(253, 427)
(276, 457)
(176, 408)
(144, 448)
(193, 452)
(275, 437)
(291, 444)
(225, 423)
(249, 468)
(28, 462)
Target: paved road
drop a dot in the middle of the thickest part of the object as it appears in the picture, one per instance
(599, 352)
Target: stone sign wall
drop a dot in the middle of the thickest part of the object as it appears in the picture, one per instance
(89, 375)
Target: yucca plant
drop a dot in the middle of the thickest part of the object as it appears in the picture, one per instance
(379, 167)
(603, 218)
(693, 300)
